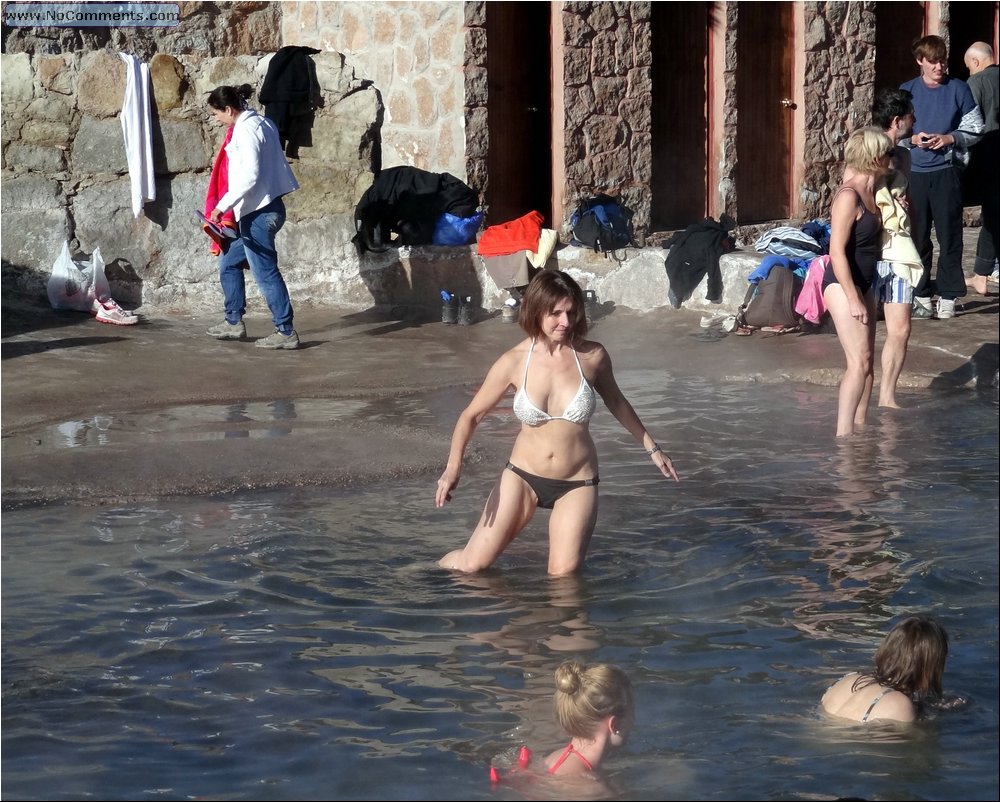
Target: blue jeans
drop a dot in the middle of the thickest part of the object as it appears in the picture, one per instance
(255, 246)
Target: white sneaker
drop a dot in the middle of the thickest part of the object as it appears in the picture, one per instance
(945, 308)
(108, 311)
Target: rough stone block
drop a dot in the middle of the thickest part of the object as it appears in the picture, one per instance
(18, 81)
(166, 76)
(101, 85)
(35, 157)
(29, 193)
(50, 107)
(224, 71)
(31, 241)
(99, 147)
(55, 74)
(184, 147)
(46, 132)
(103, 216)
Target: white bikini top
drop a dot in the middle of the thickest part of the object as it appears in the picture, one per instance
(579, 410)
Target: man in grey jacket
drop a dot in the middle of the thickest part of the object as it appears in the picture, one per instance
(984, 81)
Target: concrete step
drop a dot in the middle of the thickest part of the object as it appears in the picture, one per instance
(635, 278)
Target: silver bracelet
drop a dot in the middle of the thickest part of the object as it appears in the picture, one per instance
(654, 449)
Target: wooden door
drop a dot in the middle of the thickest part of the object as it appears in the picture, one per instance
(897, 26)
(679, 115)
(968, 23)
(764, 108)
(519, 109)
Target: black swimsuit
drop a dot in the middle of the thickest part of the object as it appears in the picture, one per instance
(549, 491)
(862, 248)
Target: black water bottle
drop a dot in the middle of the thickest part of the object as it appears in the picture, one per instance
(466, 311)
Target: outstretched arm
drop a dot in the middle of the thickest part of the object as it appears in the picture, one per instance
(494, 386)
(619, 406)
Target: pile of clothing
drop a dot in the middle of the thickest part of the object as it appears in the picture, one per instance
(511, 252)
(799, 244)
(403, 207)
(694, 254)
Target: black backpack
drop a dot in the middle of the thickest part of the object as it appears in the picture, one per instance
(770, 302)
(602, 223)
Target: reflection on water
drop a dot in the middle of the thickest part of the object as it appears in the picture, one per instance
(275, 418)
(304, 645)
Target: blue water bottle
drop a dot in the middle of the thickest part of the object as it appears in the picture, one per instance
(449, 307)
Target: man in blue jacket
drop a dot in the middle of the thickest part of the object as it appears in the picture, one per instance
(948, 123)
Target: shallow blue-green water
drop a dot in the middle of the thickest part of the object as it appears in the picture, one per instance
(303, 644)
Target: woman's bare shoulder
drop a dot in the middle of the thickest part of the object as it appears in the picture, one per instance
(591, 349)
(513, 356)
(894, 706)
(518, 350)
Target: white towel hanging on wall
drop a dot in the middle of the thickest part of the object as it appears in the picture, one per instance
(137, 129)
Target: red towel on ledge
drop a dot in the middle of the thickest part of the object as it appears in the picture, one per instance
(218, 185)
(518, 235)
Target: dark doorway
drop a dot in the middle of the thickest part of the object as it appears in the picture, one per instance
(519, 105)
(679, 115)
(764, 42)
(897, 27)
(968, 23)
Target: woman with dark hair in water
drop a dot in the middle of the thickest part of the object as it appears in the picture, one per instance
(908, 671)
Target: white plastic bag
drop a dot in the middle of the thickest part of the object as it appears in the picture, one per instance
(77, 284)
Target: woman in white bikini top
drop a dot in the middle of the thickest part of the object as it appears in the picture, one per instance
(579, 410)
(553, 464)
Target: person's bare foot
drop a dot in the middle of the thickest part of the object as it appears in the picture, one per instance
(889, 405)
(977, 283)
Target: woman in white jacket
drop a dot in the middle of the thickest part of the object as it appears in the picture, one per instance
(258, 177)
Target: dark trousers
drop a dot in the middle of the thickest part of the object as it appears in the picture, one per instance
(936, 198)
(985, 169)
(986, 247)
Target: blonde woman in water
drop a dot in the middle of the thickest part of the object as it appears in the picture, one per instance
(595, 706)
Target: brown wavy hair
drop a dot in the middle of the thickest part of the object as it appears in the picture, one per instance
(545, 290)
(911, 659)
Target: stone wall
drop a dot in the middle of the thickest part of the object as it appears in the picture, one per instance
(393, 93)
(839, 90)
(607, 53)
(403, 83)
(65, 175)
(412, 53)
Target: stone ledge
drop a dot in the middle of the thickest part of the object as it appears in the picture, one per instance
(637, 280)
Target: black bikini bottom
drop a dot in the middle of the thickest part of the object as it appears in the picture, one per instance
(549, 491)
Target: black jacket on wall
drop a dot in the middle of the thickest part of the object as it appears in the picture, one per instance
(291, 94)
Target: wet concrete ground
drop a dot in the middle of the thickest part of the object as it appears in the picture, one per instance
(147, 387)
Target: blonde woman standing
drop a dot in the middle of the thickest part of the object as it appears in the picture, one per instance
(855, 235)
